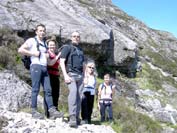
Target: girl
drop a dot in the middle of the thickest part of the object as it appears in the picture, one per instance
(88, 92)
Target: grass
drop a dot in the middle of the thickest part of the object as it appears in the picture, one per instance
(161, 60)
(152, 79)
(126, 120)
(129, 121)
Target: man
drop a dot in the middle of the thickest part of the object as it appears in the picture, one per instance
(36, 48)
(71, 63)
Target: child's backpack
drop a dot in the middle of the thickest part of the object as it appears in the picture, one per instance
(26, 59)
(104, 87)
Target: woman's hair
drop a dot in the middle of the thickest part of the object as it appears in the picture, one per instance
(88, 62)
(53, 39)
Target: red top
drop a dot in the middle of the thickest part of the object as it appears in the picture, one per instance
(54, 70)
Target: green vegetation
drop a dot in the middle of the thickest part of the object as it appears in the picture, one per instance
(8, 49)
(122, 16)
(149, 78)
(126, 120)
(86, 3)
(7, 59)
(152, 79)
(160, 58)
(129, 121)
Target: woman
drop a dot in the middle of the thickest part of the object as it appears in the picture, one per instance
(53, 70)
(88, 92)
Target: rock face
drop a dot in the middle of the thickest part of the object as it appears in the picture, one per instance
(115, 40)
(116, 37)
(145, 99)
(97, 32)
(14, 94)
(24, 15)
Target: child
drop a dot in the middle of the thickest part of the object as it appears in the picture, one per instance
(105, 92)
(88, 92)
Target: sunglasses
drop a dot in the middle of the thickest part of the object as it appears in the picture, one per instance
(76, 36)
(91, 67)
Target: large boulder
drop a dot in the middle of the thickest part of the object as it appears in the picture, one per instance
(87, 17)
(14, 93)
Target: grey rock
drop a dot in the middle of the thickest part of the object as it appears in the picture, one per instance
(14, 93)
(23, 122)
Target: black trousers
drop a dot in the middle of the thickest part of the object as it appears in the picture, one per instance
(55, 85)
(87, 106)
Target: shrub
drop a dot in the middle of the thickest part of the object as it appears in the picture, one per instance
(3, 122)
(7, 59)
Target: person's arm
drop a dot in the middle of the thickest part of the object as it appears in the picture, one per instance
(24, 51)
(67, 78)
(99, 92)
(85, 80)
(51, 62)
(99, 96)
(113, 89)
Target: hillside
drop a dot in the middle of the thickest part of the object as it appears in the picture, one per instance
(142, 60)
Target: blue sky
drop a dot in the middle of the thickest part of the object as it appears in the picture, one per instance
(157, 14)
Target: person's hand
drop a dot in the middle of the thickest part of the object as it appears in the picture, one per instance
(98, 106)
(68, 79)
(85, 81)
(47, 55)
(36, 53)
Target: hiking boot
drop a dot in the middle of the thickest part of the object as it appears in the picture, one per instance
(53, 113)
(78, 120)
(84, 122)
(111, 121)
(72, 121)
(36, 114)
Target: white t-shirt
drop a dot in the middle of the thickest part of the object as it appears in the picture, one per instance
(32, 44)
(106, 92)
(90, 86)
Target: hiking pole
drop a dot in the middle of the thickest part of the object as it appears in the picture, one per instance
(60, 36)
(59, 43)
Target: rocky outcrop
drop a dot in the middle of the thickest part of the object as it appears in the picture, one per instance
(114, 39)
(23, 123)
(97, 32)
(117, 39)
(24, 15)
(14, 94)
(147, 102)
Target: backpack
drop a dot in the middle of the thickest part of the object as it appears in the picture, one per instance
(103, 86)
(74, 60)
(27, 59)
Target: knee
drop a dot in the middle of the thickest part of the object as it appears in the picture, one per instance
(48, 92)
(35, 91)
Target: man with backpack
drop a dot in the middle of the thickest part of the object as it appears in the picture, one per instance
(37, 50)
(105, 92)
(71, 63)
